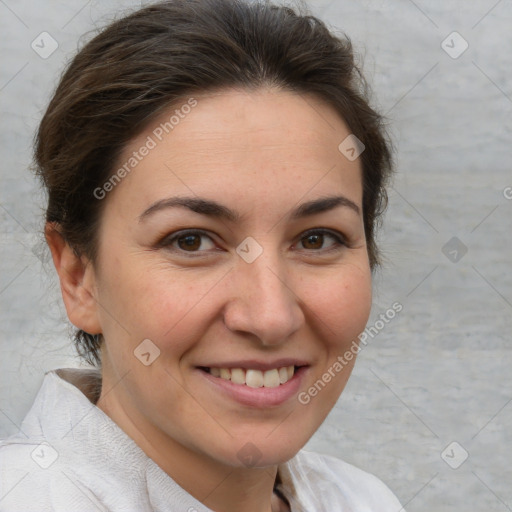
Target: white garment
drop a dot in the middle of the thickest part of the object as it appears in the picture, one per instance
(90, 464)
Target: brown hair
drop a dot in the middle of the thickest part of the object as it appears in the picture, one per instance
(139, 65)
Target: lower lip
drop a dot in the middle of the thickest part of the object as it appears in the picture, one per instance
(258, 397)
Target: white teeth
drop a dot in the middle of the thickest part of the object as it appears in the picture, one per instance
(283, 375)
(238, 376)
(271, 379)
(255, 378)
(225, 374)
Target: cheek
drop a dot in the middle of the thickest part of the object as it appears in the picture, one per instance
(341, 307)
(167, 306)
(343, 304)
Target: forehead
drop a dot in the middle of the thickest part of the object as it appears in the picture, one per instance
(276, 146)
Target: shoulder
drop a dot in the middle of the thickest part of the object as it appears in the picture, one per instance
(341, 483)
(33, 478)
(39, 466)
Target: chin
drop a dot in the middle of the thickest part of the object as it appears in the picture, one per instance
(265, 449)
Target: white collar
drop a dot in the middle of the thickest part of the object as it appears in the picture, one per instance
(65, 415)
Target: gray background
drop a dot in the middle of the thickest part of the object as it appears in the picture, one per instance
(439, 371)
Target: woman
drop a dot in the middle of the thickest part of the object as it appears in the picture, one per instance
(214, 176)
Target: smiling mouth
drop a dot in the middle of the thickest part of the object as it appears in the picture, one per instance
(254, 378)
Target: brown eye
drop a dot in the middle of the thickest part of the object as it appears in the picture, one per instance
(189, 242)
(314, 240)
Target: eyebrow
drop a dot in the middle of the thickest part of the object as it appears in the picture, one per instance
(213, 209)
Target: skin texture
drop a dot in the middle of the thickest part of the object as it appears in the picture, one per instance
(261, 153)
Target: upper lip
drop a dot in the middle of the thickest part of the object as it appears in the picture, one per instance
(257, 364)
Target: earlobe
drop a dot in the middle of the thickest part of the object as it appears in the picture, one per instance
(77, 281)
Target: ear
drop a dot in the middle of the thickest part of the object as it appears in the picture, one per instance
(77, 282)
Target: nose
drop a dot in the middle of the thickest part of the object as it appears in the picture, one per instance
(263, 301)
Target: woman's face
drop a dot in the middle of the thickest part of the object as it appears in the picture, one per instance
(248, 279)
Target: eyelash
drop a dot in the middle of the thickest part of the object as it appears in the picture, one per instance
(166, 242)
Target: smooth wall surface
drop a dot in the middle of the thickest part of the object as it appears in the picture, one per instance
(428, 408)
